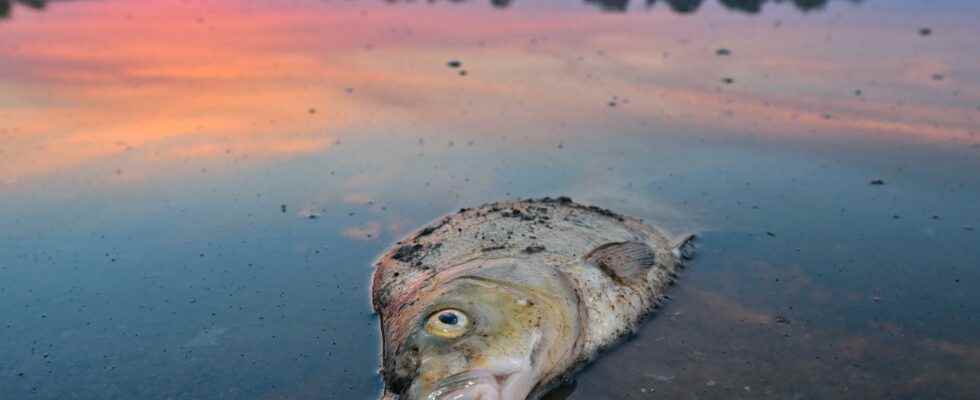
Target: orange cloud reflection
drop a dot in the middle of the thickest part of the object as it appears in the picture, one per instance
(88, 81)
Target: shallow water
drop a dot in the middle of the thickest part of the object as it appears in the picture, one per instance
(192, 193)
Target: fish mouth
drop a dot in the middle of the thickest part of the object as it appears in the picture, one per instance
(484, 384)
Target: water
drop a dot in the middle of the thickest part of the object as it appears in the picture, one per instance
(192, 193)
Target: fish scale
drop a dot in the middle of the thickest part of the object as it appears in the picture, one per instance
(593, 273)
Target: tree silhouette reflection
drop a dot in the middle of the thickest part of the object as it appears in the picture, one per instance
(677, 6)
(7, 5)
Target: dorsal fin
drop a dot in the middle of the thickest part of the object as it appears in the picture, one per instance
(623, 261)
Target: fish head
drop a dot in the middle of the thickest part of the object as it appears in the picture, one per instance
(497, 334)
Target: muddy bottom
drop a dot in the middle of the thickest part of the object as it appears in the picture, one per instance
(741, 326)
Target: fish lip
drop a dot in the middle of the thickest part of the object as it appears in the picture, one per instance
(456, 386)
(506, 378)
(482, 384)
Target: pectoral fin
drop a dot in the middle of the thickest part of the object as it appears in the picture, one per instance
(623, 261)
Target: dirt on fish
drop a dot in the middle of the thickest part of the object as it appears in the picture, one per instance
(493, 285)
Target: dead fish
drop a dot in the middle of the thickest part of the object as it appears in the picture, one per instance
(508, 300)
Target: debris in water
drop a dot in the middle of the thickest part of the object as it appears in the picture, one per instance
(534, 249)
(877, 182)
(310, 213)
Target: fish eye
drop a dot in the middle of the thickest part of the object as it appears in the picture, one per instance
(449, 323)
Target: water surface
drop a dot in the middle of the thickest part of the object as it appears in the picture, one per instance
(192, 193)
